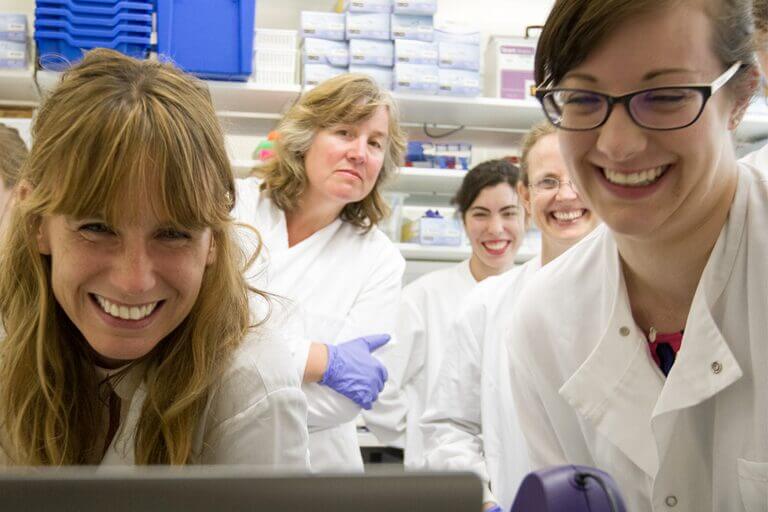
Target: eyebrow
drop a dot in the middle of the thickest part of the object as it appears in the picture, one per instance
(508, 207)
(648, 76)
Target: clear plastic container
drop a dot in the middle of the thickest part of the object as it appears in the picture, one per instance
(275, 38)
(274, 66)
(392, 224)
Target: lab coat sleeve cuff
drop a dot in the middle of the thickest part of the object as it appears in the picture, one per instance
(487, 494)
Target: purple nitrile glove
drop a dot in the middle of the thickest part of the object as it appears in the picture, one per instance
(495, 508)
(354, 372)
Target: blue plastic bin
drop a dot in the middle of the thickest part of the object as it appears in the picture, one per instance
(209, 38)
(57, 50)
(102, 10)
(91, 32)
(44, 13)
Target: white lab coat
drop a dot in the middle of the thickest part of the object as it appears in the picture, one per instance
(427, 308)
(340, 283)
(758, 159)
(470, 422)
(256, 415)
(588, 391)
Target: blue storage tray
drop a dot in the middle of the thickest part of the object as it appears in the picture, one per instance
(43, 35)
(209, 38)
(91, 32)
(101, 2)
(57, 51)
(45, 13)
(105, 10)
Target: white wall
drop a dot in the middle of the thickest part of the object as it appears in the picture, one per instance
(18, 6)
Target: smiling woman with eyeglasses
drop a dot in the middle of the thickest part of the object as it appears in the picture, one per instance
(642, 350)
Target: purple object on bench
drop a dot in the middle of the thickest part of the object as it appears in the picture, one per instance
(568, 489)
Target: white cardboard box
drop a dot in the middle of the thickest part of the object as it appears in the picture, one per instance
(509, 67)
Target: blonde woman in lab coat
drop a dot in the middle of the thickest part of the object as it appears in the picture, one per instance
(494, 220)
(317, 208)
(642, 350)
(127, 327)
(470, 422)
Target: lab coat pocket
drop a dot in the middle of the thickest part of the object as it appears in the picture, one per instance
(753, 485)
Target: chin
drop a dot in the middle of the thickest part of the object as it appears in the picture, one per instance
(125, 350)
(632, 225)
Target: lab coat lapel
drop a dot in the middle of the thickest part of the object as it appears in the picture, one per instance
(295, 271)
(615, 389)
(705, 364)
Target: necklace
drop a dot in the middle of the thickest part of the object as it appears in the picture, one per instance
(652, 334)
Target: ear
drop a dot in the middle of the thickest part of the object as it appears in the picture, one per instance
(525, 197)
(741, 106)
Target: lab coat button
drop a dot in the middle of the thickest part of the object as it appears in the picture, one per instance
(671, 501)
(624, 331)
(717, 367)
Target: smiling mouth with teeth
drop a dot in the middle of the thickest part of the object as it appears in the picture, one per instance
(635, 179)
(123, 312)
(569, 216)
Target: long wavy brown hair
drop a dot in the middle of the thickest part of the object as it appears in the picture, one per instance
(113, 130)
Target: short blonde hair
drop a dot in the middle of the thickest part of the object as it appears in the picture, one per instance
(534, 135)
(346, 99)
(12, 155)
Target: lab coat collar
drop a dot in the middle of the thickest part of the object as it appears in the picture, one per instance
(619, 389)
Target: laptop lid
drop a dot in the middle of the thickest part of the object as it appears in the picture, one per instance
(234, 489)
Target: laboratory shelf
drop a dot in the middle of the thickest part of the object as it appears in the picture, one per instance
(412, 251)
(241, 104)
(412, 180)
(244, 100)
(416, 180)
(17, 88)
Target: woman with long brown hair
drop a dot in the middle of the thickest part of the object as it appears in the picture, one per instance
(128, 336)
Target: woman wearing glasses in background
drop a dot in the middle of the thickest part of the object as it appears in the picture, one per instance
(470, 423)
(642, 351)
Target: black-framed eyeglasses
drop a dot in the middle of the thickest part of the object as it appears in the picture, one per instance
(658, 108)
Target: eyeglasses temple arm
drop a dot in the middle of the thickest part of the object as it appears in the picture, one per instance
(723, 79)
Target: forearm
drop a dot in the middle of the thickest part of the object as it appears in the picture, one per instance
(317, 363)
